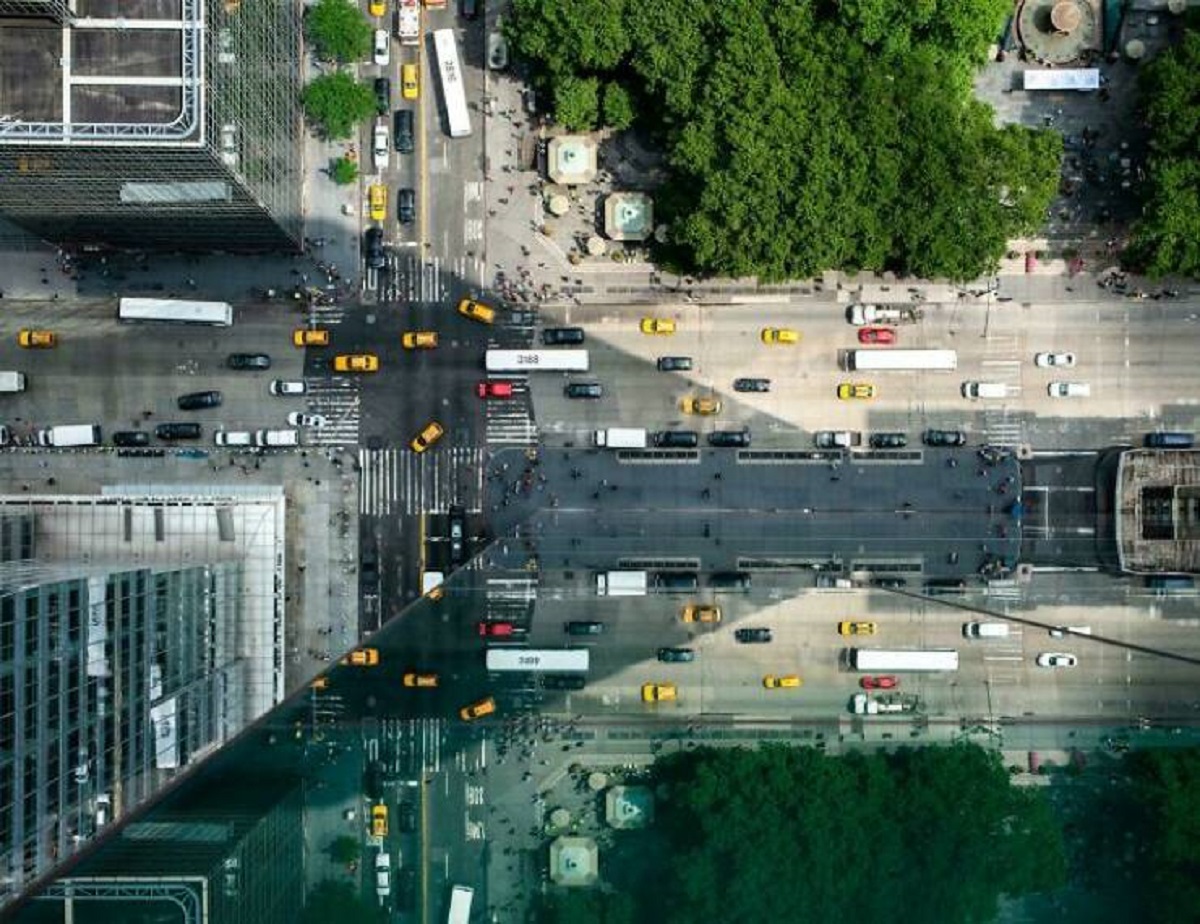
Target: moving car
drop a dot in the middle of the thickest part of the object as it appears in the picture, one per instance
(847, 627)
(36, 339)
(1056, 659)
(431, 434)
(563, 681)
(890, 583)
(410, 81)
(583, 627)
(882, 682)
(356, 362)
(253, 362)
(1069, 390)
(888, 440)
(310, 336)
(674, 363)
(657, 692)
(753, 636)
(944, 438)
(494, 389)
(458, 528)
(377, 204)
(406, 817)
(785, 682)
(700, 612)
(178, 431)
(420, 340)
(373, 244)
(753, 385)
(233, 438)
(199, 400)
(584, 390)
(420, 680)
(381, 150)
(877, 335)
(379, 820)
(477, 710)
(780, 335)
(406, 206)
(283, 388)
(1064, 631)
(657, 326)
(131, 438)
(403, 134)
(736, 439)
(849, 391)
(705, 407)
(558, 336)
(676, 655)
(377, 7)
(301, 419)
(477, 311)
(362, 657)
(496, 629)
(382, 47)
(383, 874)
(1046, 360)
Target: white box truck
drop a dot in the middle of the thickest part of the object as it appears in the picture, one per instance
(12, 381)
(621, 438)
(70, 435)
(408, 23)
(985, 630)
(862, 315)
(621, 584)
(277, 438)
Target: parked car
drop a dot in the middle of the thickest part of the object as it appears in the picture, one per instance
(752, 385)
(494, 389)
(676, 439)
(178, 431)
(676, 655)
(735, 439)
(890, 583)
(883, 682)
(883, 335)
(131, 438)
(944, 438)
(888, 440)
(1058, 360)
(674, 363)
(253, 362)
(198, 400)
(382, 47)
(383, 95)
(752, 636)
(584, 390)
(381, 148)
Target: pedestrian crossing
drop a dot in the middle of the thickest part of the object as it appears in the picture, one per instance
(510, 423)
(402, 482)
(339, 402)
(410, 277)
(326, 315)
(406, 748)
(1000, 364)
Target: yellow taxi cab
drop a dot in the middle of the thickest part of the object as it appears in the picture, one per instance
(320, 683)
(695, 612)
(780, 335)
(431, 434)
(362, 657)
(485, 706)
(477, 311)
(420, 679)
(786, 682)
(311, 336)
(857, 628)
(705, 407)
(377, 201)
(377, 7)
(658, 326)
(657, 692)
(420, 340)
(356, 362)
(37, 339)
(849, 391)
(410, 81)
(379, 820)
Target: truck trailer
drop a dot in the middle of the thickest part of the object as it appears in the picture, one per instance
(621, 584)
(621, 438)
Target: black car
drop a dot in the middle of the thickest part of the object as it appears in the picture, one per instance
(402, 131)
(131, 438)
(406, 888)
(669, 581)
(249, 361)
(890, 583)
(406, 206)
(470, 8)
(757, 636)
(674, 364)
(583, 627)
(676, 439)
(584, 390)
(177, 431)
(935, 586)
(373, 248)
(557, 336)
(458, 525)
(729, 580)
(676, 655)
(198, 400)
(944, 438)
(751, 384)
(373, 782)
(406, 817)
(730, 438)
(563, 681)
(383, 95)
(888, 440)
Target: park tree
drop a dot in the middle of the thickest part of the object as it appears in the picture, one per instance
(336, 103)
(338, 31)
(330, 900)
(569, 36)
(345, 849)
(344, 171)
(1166, 785)
(618, 106)
(577, 103)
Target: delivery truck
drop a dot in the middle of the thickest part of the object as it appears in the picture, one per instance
(70, 435)
(621, 584)
(621, 438)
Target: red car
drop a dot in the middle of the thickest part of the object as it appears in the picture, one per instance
(494, 629)
(876, 335)
(494, 389)
(887, 682)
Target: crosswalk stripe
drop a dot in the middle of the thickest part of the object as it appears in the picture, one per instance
(400, 480)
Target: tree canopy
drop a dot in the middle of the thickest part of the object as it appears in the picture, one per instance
(1167, 787)
(338, 31)
(805, 134)
(1167, 239)
(336, 103)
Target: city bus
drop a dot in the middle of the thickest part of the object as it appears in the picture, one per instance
(536, 360)
(901, 360)
(886, 660)
(172, 311)
(548, 660)
(460, 905)
(445, 48)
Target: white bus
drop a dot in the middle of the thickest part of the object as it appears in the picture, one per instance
(458, 120)
(219, 314)
(903, 659)
(541, 660)
(536, 360)
(460, 905)
(900, 360)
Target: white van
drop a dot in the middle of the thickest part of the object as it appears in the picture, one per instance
(985, 630)
(233, 438)
(12, 381)
(1069, 390)
(975, 390)
(277, 438)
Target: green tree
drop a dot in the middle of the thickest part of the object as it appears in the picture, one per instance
(338, 31)
(337, 901)
(336, 103)
(344, 849)
(591, 907)
(618, 107)
(344, 171)
(577, 103)
(1167, 787)
(569, 35)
